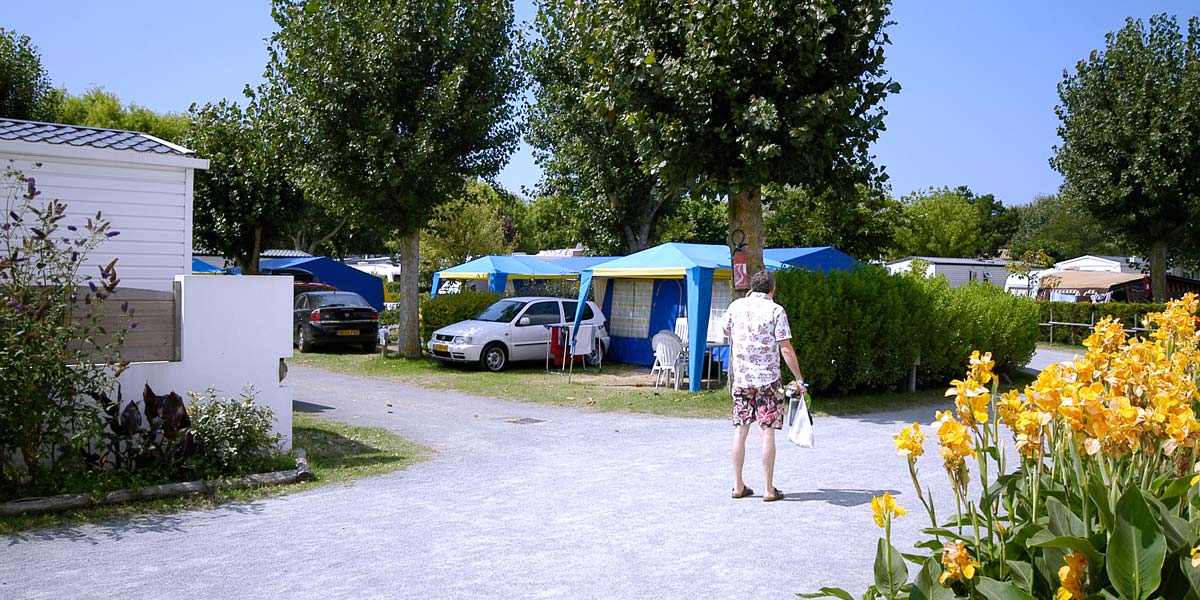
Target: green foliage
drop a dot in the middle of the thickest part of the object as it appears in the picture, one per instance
(99, 108)
(939, 222)
(419, 99)
(471, 226)
(854, 330)
(558, 221)
(861, 223)
(448, 309)
(25, 90)
(695, 221)
(725, 97)
(1063, 229)
(1128, 122)
(233, 435)
(244, 199)
(53, 345)
(150, 442)
(865, 329)
(583, 155)
(1087, 315)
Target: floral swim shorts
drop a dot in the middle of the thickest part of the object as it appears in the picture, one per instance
(763, 404)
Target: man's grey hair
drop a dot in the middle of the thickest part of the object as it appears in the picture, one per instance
(763, 282)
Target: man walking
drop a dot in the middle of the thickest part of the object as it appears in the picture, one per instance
(759, 332)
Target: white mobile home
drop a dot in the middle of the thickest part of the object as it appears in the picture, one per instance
(958, 271)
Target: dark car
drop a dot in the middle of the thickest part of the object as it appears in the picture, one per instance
(301, 287)
(334, 318)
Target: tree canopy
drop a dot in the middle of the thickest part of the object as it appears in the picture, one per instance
(860, 222)
(397, 104)
(1130, 129)
(1062, 229)
(244, 199)
(25, 89)
(724, 97)
(98, 107)
(939, 222)
(582, 155)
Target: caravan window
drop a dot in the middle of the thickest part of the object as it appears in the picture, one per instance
(631, 307)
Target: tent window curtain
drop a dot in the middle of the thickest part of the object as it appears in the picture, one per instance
(631, 308)
(722, 297)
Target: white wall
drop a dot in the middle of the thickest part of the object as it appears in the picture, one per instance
(235, 330)
(147, 198)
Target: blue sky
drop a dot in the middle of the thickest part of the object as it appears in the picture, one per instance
(977, 106)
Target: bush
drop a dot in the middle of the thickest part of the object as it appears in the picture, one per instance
(1096, 500)
(53, 346)
(853, 330)
(865, 329)
(233, 436)
(1129, 314)
(447, 309)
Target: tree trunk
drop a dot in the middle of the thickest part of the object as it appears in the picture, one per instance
(1158, 270)
(637, 237)
(410, 303)
(746, 214)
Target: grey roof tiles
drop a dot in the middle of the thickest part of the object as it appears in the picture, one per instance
(74, 135)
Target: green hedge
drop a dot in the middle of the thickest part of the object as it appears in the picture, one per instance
(1129, 314)
(447, 309)
(863, 330)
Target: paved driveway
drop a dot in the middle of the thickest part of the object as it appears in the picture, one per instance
(578, 505)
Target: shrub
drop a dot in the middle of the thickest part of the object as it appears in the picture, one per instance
(1102, 501)
(53, 346)
(981, 316)
(853, 330)
(447, 309)
(233, 436)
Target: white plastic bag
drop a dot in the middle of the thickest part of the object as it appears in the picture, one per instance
(799, 421)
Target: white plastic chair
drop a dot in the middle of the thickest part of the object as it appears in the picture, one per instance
(668, 354)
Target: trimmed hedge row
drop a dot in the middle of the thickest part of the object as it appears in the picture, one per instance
(1129, 314)
(445, 309)
(864, 330)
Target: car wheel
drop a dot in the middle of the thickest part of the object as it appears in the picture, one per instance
(597, 353)
(494, 357)
(305, 344)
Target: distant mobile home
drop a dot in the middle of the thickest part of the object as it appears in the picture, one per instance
(958, 271)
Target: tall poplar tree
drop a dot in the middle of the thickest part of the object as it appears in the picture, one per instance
(724, 97)
(1130, 129)
(397, 103)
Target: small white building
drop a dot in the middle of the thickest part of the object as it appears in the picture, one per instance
(195, 331)
(958, 271)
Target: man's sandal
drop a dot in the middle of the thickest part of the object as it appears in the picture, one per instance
(778, 496)
(746, 491)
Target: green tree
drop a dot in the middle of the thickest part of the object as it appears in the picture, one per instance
(862, 224)
(458, 231)
(724, 97)
(553, 221)
(25, 90)
(244, 199)
(1130, 129)
(1062, 229)
(583, 155)
(396, 105)
(696, 221)
(100, 108)
(939, 222)
(997, 223)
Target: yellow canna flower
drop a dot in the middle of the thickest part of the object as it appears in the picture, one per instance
(885, 509)
(1196, 557)
(957, 562)
(910, 442)
(1072, 578)
(971, 401)
(981, 367)
(954, 439)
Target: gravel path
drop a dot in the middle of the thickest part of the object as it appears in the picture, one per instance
(578, 505)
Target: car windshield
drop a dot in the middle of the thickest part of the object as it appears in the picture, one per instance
(339, 299)
(503, 311)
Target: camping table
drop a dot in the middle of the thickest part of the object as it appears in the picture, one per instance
(710, 350)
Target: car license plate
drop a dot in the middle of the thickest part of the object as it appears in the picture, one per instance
(441, 348)
(348, 332)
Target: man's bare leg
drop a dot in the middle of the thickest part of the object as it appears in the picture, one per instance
(768, 459)
(739, 456)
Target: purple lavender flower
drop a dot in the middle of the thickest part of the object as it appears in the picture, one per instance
(112, 234)
(72, 228)
(124, 307)
(133, 324)
(92, 285)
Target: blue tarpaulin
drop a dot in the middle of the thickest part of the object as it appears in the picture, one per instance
(199, 266)
(328, 271)
(500, 270)
(683, 276)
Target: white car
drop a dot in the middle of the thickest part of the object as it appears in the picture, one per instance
(514, 329)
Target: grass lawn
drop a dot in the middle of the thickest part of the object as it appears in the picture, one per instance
(337, 453)
(618, 388)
